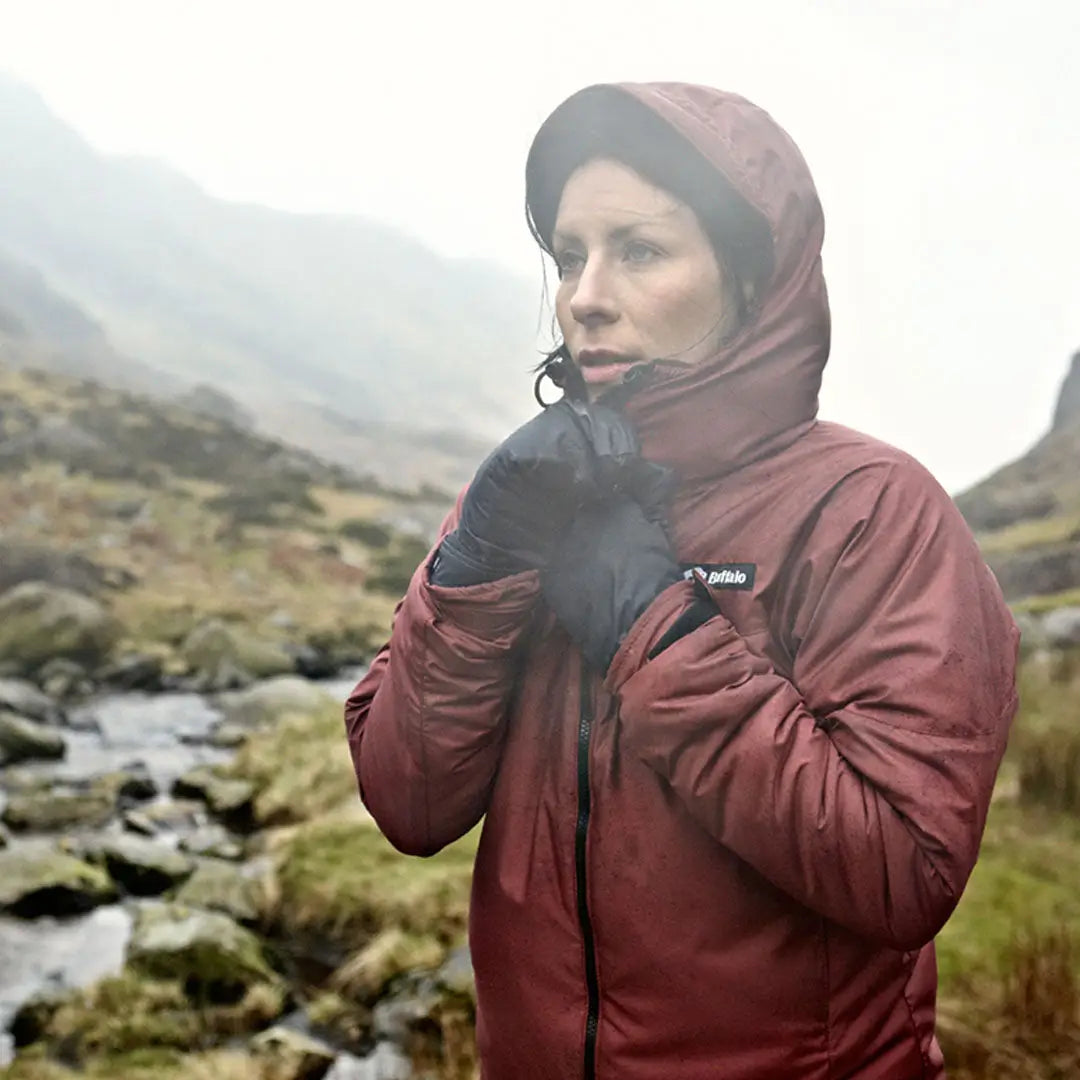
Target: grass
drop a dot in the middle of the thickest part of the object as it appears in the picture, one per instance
(1037, 532)
(341, 880)
(1040, 605)
(319, 777)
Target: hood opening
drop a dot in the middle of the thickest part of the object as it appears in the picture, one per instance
(608, 122)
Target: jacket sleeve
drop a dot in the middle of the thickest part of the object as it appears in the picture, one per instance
(425, 725)
(861, 785)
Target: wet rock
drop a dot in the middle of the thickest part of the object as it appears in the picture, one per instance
(220, 886)
(174, 815)
(224, 736)
(23, 739)
(132, 783)
(39, 622)
(65, 680)
(214, 641)
(267, 702)
(203, 949)
(213, 842)
(227, 798)
(49, 810)
(50, 883)
(142, 867)
(32, 1019)
(138, 822)
(227, 736)
(313, 662)
(134, 671)
(291, 1055)
(23, 697)
(1061, 627)
(385, 1062)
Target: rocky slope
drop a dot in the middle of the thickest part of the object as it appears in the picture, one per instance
(144, 544)
(1026, 515)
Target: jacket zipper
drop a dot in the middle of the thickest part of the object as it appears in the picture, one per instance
(592, 984)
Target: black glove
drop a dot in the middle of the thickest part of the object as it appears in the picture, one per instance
(526, 492)
(612, 564)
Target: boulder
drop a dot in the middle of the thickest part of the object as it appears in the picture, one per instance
(1061, 627)
(135, 671)
(142, 867)
(227, 798)
(291, 1055)
(48, 810)
(23, 739)
(39, 622)
(221, 886)
(36, 883)
(205, 950)
(23, 697)
(213, 842)
(214, 641)
(267, 702)
(132, 783)
(66, 680)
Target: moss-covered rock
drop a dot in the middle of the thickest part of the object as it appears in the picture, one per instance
(220, 886)
(23, 739)
(142, 867)
(46, 810)
(214, 642)
(264, 704)
(34, 883)
(226, 796)
(22, 697)
(130, 1014)
(40, 621)
(203, 949)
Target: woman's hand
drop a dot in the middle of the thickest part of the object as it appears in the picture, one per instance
(611, 566)
(527, 491)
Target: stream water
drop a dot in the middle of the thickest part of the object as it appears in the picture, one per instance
(163, 733)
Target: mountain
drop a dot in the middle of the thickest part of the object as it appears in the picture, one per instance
(1026, 515)
(339, 317)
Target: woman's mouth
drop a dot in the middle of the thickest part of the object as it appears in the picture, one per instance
(602, 365)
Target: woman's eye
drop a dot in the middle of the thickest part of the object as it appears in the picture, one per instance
(567, 262)
(638, 251)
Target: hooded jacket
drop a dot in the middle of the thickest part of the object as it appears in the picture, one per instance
(728, 860)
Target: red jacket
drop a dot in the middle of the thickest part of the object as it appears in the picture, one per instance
(730, 860)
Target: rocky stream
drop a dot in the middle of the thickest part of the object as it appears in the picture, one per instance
(115, 806)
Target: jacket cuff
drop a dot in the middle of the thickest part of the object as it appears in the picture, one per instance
(491, 608)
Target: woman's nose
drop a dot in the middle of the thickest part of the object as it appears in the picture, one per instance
(593, 299)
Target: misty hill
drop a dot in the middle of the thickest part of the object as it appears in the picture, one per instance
(321, 321)
(1027, 514)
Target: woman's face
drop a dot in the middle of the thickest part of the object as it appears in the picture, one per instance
(638, 276)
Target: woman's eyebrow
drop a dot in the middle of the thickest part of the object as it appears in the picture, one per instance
(620, 232)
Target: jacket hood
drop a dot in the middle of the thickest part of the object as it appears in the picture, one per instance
(760, 391)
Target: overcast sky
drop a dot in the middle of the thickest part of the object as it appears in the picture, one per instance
(943, 137)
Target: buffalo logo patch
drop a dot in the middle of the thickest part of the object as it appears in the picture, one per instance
(731, 575)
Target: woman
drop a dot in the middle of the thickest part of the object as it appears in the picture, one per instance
(731, 685)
